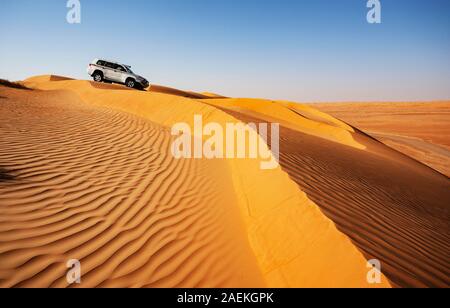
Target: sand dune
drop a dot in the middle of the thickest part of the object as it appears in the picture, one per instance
(100, 186)
(86, 173)
(419, 130)
(393, 208)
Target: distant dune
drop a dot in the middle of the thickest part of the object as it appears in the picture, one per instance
(86, 173)
(419, 130)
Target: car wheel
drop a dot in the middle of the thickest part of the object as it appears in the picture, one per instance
(98, 77)
(130, 83)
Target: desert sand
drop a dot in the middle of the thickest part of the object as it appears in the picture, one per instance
(419, 130)
(86, 173)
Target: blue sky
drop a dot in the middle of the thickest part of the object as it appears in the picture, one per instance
(317, 50)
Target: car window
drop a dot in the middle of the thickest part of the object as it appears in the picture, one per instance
(101, 63)
(109, 65)
(120, 68)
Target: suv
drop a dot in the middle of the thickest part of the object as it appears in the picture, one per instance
(108, 71)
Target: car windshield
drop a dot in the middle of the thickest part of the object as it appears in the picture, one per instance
(129, 70)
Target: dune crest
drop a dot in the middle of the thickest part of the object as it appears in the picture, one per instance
(300, 118)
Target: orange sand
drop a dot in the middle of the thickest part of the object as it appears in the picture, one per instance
(419, 130)
(392, 207)
(86, 173)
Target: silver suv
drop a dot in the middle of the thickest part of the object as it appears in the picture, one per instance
(108, 71)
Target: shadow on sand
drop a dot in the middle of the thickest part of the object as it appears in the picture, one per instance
(6, 176)
(15, 85)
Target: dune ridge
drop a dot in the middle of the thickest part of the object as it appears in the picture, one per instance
(136, 217)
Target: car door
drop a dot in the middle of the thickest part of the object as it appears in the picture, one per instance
(109, 71)
(119, 73)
